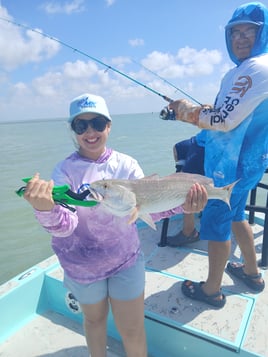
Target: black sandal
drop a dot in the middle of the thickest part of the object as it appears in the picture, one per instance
(194, 291)
(237, 270)
(181, 239)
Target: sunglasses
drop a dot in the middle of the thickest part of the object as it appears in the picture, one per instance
(80, 126)
(236, 34)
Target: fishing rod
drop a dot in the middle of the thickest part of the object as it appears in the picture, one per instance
(166, 81)
(88, 56)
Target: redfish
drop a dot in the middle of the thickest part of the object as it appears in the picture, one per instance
(138, 198)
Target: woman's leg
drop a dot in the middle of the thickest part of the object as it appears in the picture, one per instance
(95, 319)
(129, 319)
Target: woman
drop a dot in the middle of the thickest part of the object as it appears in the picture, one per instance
(99, 252)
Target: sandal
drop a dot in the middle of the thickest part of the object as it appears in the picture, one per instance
(194, 291)
(237, 270)
(181, 239)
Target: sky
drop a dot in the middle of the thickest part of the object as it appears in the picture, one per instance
(54, 50)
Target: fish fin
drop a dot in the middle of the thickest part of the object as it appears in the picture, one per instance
(146, 217)
(229, 189)
(201, 179)
(151, 177)
(134, 215)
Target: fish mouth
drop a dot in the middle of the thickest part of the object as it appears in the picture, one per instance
(95, 195)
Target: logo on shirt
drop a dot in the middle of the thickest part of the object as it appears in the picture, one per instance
(243, 84)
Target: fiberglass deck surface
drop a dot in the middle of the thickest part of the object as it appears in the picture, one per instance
(242, 323)
(240, 326)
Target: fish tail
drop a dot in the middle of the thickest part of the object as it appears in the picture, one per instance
(229, 189)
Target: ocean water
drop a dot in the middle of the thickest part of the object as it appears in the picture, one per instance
(36, 146)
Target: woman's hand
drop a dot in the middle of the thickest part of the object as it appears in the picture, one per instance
(39, 193)
(196, 199)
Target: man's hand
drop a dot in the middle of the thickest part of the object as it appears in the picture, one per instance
(185, 111)
(196, 199)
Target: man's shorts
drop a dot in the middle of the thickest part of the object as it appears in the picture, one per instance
(192, 155)
(127, 284)
(217, 217)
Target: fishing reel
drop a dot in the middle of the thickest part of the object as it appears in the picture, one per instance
(167, 114)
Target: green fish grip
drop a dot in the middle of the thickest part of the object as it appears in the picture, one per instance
(64, 196)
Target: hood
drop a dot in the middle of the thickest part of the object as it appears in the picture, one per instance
(254, 13)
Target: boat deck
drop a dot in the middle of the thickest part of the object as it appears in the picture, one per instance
(175, 325)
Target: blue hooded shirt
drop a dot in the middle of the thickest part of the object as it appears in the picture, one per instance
(237, 142)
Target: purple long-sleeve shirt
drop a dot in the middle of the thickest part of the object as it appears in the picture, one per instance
(91, 243)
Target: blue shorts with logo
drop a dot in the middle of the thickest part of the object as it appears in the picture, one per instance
(217, 217)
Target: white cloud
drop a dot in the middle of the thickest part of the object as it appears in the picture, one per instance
(156, 60)
(110, 2)
(58, 7)
(188, 62)
(51, 91)
(46, 95)
(120, 61)
(18, 48)
(136, 42)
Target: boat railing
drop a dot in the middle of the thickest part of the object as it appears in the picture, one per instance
(253, 208)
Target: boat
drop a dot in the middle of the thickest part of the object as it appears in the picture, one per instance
(39, 317)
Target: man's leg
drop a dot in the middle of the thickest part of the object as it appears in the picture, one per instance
(218, 254)
(188, 224)
(245, 239)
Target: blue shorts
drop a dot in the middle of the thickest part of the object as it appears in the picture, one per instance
(217, 217)
(126, 285)
(192, 155)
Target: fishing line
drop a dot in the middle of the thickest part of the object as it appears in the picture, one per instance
(88, 56)
(166, 81)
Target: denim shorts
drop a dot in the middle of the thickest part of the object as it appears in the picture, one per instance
(127, 284)
(217, 217)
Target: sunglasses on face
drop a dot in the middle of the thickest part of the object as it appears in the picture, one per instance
(249, 33)
(80, 126)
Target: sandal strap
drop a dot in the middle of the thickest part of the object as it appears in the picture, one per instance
(215, 295)
(249, 276)
(254, 276)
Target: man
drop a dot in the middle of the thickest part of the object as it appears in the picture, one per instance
(236, 149)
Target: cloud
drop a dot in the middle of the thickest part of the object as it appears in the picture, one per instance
(120, 61)
(58, 86)
(46, 94)
(110, 2)
(64, 8)
(187, 62)
(136, 42)
(19, 47)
